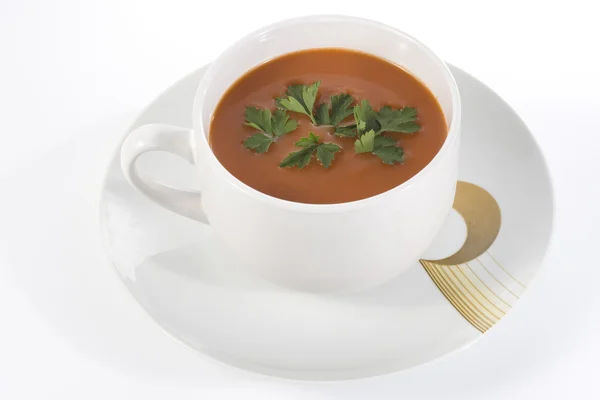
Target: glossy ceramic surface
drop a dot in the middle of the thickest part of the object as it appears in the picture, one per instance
(245, 219)
(205, 298)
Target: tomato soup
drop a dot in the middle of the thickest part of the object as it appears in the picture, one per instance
(351, 176)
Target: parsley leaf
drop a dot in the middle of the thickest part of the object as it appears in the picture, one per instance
(259, 119)
(298, 159)
(402, 120)
(322, 116)
(365, 117)
(309, 141)
(310, 145)
(326, 153)
(282, 124)
(277, 124)
(386, 120)
(300, 98)
(384, 141)
(258, 142)
(271, 125)
(390, 155)
(365, 143)
(346, 131)
(340, 109)
(385, 148)
(370, 125)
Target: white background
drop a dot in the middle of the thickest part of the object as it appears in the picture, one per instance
(74, 71)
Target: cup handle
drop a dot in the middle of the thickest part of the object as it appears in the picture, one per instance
(172, 139)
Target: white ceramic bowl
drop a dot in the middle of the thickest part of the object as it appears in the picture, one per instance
(313, 247)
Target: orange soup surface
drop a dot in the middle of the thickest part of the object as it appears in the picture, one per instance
(351, 176)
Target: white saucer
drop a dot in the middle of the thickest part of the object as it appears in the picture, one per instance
(198, 294)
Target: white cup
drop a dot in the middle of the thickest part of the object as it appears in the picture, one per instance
(313, 247)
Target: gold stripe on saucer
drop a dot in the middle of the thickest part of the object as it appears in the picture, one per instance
(453, 300)
(479, 295)
(504, 269)
(486, 289)
(460, 291)
(496, 279)
(480, 300)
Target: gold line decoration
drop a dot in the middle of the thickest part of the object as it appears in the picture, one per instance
(496, 279)
(504, 269)
(481, 214)
(486, 286)
(480, 300)
(443, 287)
(495, 310)
(472, 307)
(481, 304)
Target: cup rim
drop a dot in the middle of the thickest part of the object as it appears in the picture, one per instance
(198, 108)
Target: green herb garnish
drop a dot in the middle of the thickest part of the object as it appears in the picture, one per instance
(368, 127)
(340, 109)
(258, 142)
(402, 120)
(387, 150)
(383, 147)
(311, 145)
(365, 143)
(272, 125)
(386, 120)
(301, 99)
(365, 118)
(346, 131)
